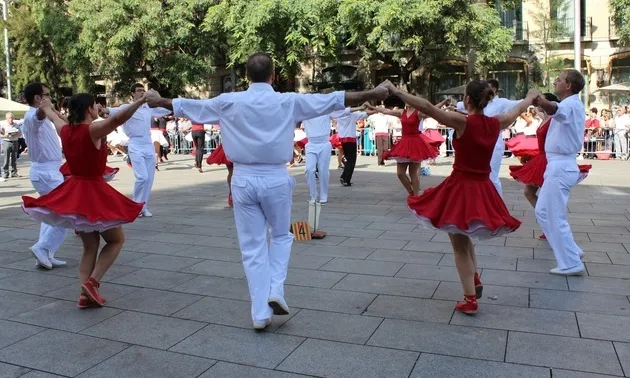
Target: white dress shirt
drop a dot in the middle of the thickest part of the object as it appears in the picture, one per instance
(317, 127)
(566, 132)
(379, 123)
(138, 127)
(496, 106)
(257, 125)
(622, 122)
(41, 138)
(298, 135)
(532, 127)
(347, 123)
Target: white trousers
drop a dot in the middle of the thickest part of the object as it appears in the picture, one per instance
(45, 178)
(262, 203)
(318, 156)
(495, 164)
(621, 143)
(142, 155)
(551, 209)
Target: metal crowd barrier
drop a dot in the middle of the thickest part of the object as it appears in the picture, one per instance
(598, 144)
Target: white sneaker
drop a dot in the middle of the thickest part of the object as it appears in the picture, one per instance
(323, 202)
(146, 213)
(56, 263)
(260, 325)
(278, 305)
(42, 257)
(575, 271)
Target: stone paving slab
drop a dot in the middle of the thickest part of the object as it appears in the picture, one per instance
(374, 298)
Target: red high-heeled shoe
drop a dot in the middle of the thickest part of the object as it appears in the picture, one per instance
(542, 237)
(478, 286)
(230, 203)
(468, 306)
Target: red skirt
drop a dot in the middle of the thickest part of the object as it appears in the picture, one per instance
(526, 147)
(513, 142)
(413, 149)
(464, 204)
(533, 172)
(334, 140)
(302, 143)
(83, 204)
(435, 136)
(218, 157)
(108, 175)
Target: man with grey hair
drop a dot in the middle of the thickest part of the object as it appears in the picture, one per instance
(10, 133)
(564, 141)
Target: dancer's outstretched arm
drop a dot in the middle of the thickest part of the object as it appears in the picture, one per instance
(101, 129)
(449, 119)
(507, 119)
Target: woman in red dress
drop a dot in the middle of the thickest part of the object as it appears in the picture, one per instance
(218, 157)
(532, 172)
(412, 149)
(466, 204)
(108, 175)
(85, 202)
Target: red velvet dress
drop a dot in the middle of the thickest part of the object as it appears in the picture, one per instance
(532, 172)
(218, 157)
(466, 202)
(413, 147)
(84, 202)
(108, 175)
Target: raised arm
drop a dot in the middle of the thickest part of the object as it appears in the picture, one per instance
(53, 115)
(446, 102)
(507, 119)
(197, 111)
(550, 107)
(449, 119)
(379, 93)
(101, 129)
(383, 110)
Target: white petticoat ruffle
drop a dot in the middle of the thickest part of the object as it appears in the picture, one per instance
(70, 221)
(477, 229)
(404, 160)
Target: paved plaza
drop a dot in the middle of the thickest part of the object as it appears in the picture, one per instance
(375, 298)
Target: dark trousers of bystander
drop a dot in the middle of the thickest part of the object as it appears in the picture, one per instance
(350, 153)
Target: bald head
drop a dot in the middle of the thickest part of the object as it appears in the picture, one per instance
(259, 68)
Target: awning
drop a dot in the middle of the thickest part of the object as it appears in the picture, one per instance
(453, 91)
(615, 88)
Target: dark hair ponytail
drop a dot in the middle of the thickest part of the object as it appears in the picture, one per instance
(77, 106)
(551, 97)
(480, 93)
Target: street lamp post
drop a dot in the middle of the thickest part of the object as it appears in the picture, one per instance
(6, 46)
(577, 37)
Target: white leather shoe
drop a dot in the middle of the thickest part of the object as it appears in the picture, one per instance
(146, 213)
(42, 257)
(575, 271)
(260, 325)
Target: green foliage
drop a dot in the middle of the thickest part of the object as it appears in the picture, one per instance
(43, 42)
(547, 31)
(621, 16)
(413, 34)
(160, 40)
(176, 43)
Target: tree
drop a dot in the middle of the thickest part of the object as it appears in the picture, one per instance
(290, 30)
(43, 41)
(548, 30)
(416, 34)
(160, 40)
(621, 18)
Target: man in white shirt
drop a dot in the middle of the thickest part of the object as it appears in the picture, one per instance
(44, 150)
(564, 141)
(347, 130)
(141, 150)
(257, 127)
(10, 133)
(495, 107)
(622, 125)
(318, 151)
(381, 125)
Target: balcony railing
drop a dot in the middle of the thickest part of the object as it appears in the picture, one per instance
(612, 29)
(568, 28)
(520, 31)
